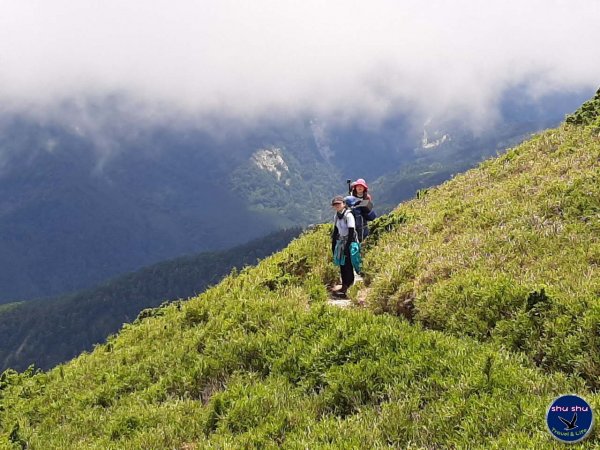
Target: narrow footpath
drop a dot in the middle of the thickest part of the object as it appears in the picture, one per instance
(345, 302)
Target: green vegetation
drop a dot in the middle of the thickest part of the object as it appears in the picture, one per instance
(507, 253)
(588, 113)
(432, 167)
(9, 306)
(499, 267)
(260, 361)
(48, 332)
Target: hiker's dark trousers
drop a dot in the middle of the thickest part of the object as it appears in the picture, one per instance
(346, 270)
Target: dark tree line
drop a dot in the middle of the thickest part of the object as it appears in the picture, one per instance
(48, 332)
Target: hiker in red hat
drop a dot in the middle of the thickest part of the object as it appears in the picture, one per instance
(363, 207)
(361, 190)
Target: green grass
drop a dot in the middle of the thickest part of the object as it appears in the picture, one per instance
(501, 264)
(260, 360)
(508, 253)
(588, 113)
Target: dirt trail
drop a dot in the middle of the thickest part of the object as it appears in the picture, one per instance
(344, 302)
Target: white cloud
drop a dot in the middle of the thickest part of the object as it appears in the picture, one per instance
(339, 58)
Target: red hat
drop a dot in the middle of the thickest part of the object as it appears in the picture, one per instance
(360, 182)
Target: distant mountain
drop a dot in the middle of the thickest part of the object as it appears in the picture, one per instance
(448, 147)
(48, 332)
(77, 209)
(439, 158)
(95, 191)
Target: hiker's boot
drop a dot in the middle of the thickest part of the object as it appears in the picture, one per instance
(337, 288)
(342, 291)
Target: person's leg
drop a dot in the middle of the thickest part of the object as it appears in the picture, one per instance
(341, 286)
(350, 268)
(347, 272)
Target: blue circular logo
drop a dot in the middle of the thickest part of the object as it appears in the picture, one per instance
(569, 418)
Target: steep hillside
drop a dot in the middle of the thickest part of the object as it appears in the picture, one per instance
(588, 113)
(507, 253)
(48, 332)
(502, 262)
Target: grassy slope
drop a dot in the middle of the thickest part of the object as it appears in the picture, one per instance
(473, 253)
(259, 360)
(247, 363)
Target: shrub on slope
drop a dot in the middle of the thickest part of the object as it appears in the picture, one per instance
(588, 113)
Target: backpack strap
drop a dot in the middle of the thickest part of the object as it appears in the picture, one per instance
(336, 221)
(351, 210)
(348, 210)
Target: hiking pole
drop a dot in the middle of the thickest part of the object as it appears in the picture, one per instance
(349, 181)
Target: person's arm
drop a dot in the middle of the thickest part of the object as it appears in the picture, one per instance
(365, 205)
(351, 227)
(351, 236)
(334, 238)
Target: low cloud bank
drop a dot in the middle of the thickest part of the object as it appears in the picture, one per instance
(272, 58)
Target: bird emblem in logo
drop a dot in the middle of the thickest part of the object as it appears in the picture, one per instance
(569, 425)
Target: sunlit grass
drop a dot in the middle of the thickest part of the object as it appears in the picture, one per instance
(479, 248)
